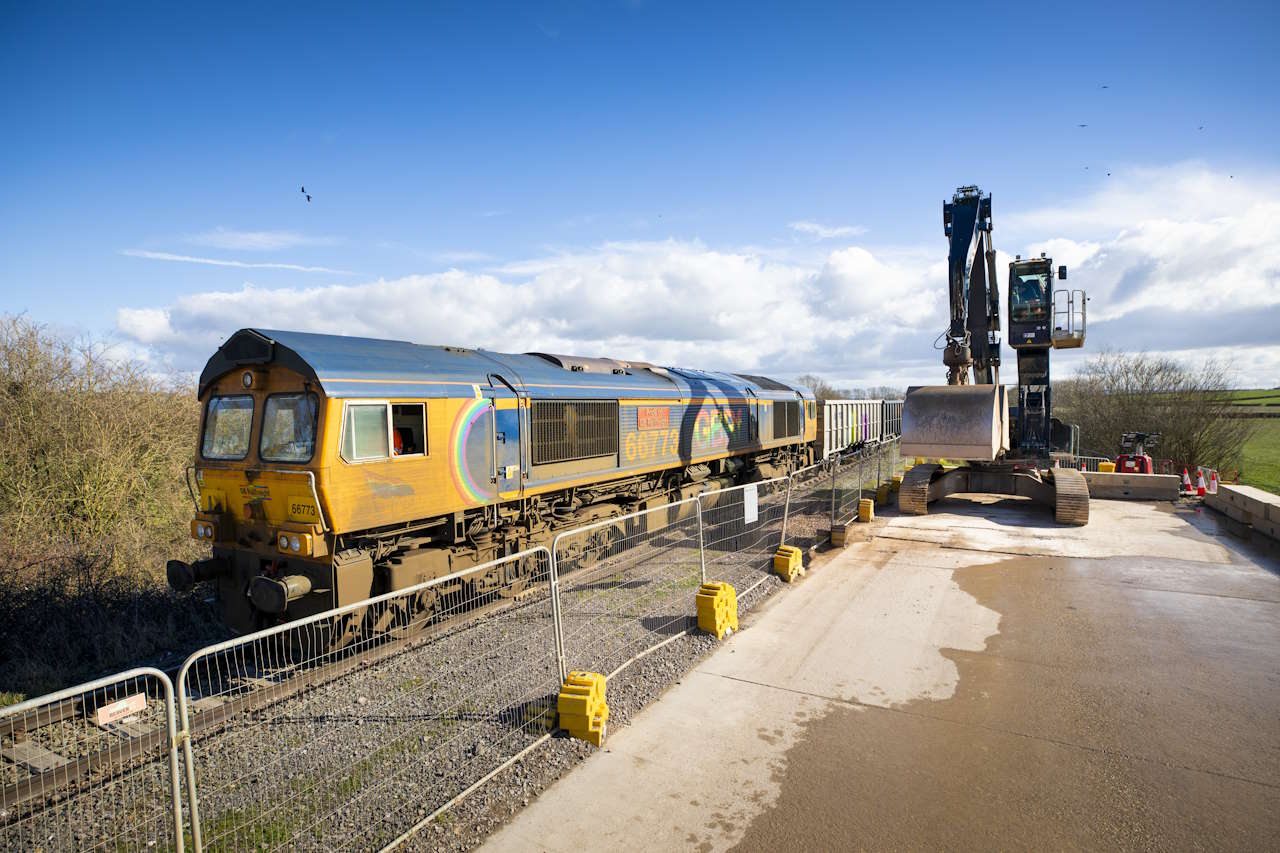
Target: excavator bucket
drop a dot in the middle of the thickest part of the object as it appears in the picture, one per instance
(962, 422)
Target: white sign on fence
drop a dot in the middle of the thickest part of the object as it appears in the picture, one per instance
(121, 708)
(750, 504)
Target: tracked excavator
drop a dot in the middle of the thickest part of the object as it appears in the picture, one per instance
(1001, 448)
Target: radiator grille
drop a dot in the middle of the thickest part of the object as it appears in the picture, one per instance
(786, 420)
(564, 430)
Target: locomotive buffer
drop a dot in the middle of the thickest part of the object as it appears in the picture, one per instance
(969, 419)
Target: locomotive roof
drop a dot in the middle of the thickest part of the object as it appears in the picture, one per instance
(374, 368)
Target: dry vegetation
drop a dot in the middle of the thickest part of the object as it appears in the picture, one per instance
(1117, 392)
(92, 501)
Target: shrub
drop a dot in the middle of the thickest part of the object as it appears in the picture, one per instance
(1118, 392)
(93, 454)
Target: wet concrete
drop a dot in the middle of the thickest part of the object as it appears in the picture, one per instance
(1107, 713)
(968, 680)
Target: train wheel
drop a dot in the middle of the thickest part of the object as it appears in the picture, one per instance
(518, 576)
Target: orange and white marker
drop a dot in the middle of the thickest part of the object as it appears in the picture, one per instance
(1186, 481)
(1200, 486)
(1213, 482)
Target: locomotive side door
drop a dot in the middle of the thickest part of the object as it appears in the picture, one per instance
(509, 409)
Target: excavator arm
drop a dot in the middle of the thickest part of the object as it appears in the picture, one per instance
(972, 338)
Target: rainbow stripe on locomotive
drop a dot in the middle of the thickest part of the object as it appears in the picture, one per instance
(331, 468)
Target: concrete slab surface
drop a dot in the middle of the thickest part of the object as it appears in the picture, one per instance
(977, 678)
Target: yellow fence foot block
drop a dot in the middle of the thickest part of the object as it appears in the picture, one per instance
(839, 535)
(882, 494)
(788, 562)
(717, 609)
(1106, 467)
(583, 712)
(895, 484)
(866, 509)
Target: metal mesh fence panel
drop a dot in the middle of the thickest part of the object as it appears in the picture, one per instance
(1089, 463)
(809, 510)
(741, 529)
(627, 584)
(92, 767)
(346, 729)
(850, 482)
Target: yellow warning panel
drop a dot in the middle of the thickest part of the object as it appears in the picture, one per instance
(582, 708)
(788, 562)
(717, 609)
(866, 509)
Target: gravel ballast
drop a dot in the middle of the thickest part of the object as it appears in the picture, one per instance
(355, 762)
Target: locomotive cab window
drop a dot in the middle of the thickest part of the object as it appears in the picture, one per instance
(227, 423)
(289, 428)
(365, 435)
(408, 429)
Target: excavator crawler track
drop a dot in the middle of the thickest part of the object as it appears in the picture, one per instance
(913, 494)
(1071, 497)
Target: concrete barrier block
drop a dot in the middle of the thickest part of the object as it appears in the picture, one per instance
(1256, 502)
(1137, 487)
(1230, 510)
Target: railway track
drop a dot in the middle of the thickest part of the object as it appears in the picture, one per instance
(235, 683)
(124, 746)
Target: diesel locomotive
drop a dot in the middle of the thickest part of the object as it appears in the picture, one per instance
(331, 469)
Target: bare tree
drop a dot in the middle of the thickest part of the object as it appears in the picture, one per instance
(821, 389)
(1117, 392)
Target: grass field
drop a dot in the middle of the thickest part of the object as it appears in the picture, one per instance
(1261, 466)
(1256, 397)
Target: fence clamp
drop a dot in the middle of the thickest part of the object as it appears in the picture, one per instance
(788, 562)
(582, 708)
(717, 609)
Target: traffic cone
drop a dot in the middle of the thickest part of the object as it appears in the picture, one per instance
(1213, 482)
(1200, 486)
(1186, 481)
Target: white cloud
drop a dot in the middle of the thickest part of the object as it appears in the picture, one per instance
(1167, 279)
(257, 241)
(145, 325)
(462, 257)
(826, 232)
(220, 262)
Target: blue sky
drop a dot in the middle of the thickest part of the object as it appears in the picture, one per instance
(673, 154)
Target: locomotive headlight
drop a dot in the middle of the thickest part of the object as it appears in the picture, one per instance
(294, 544)
(246, 379)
